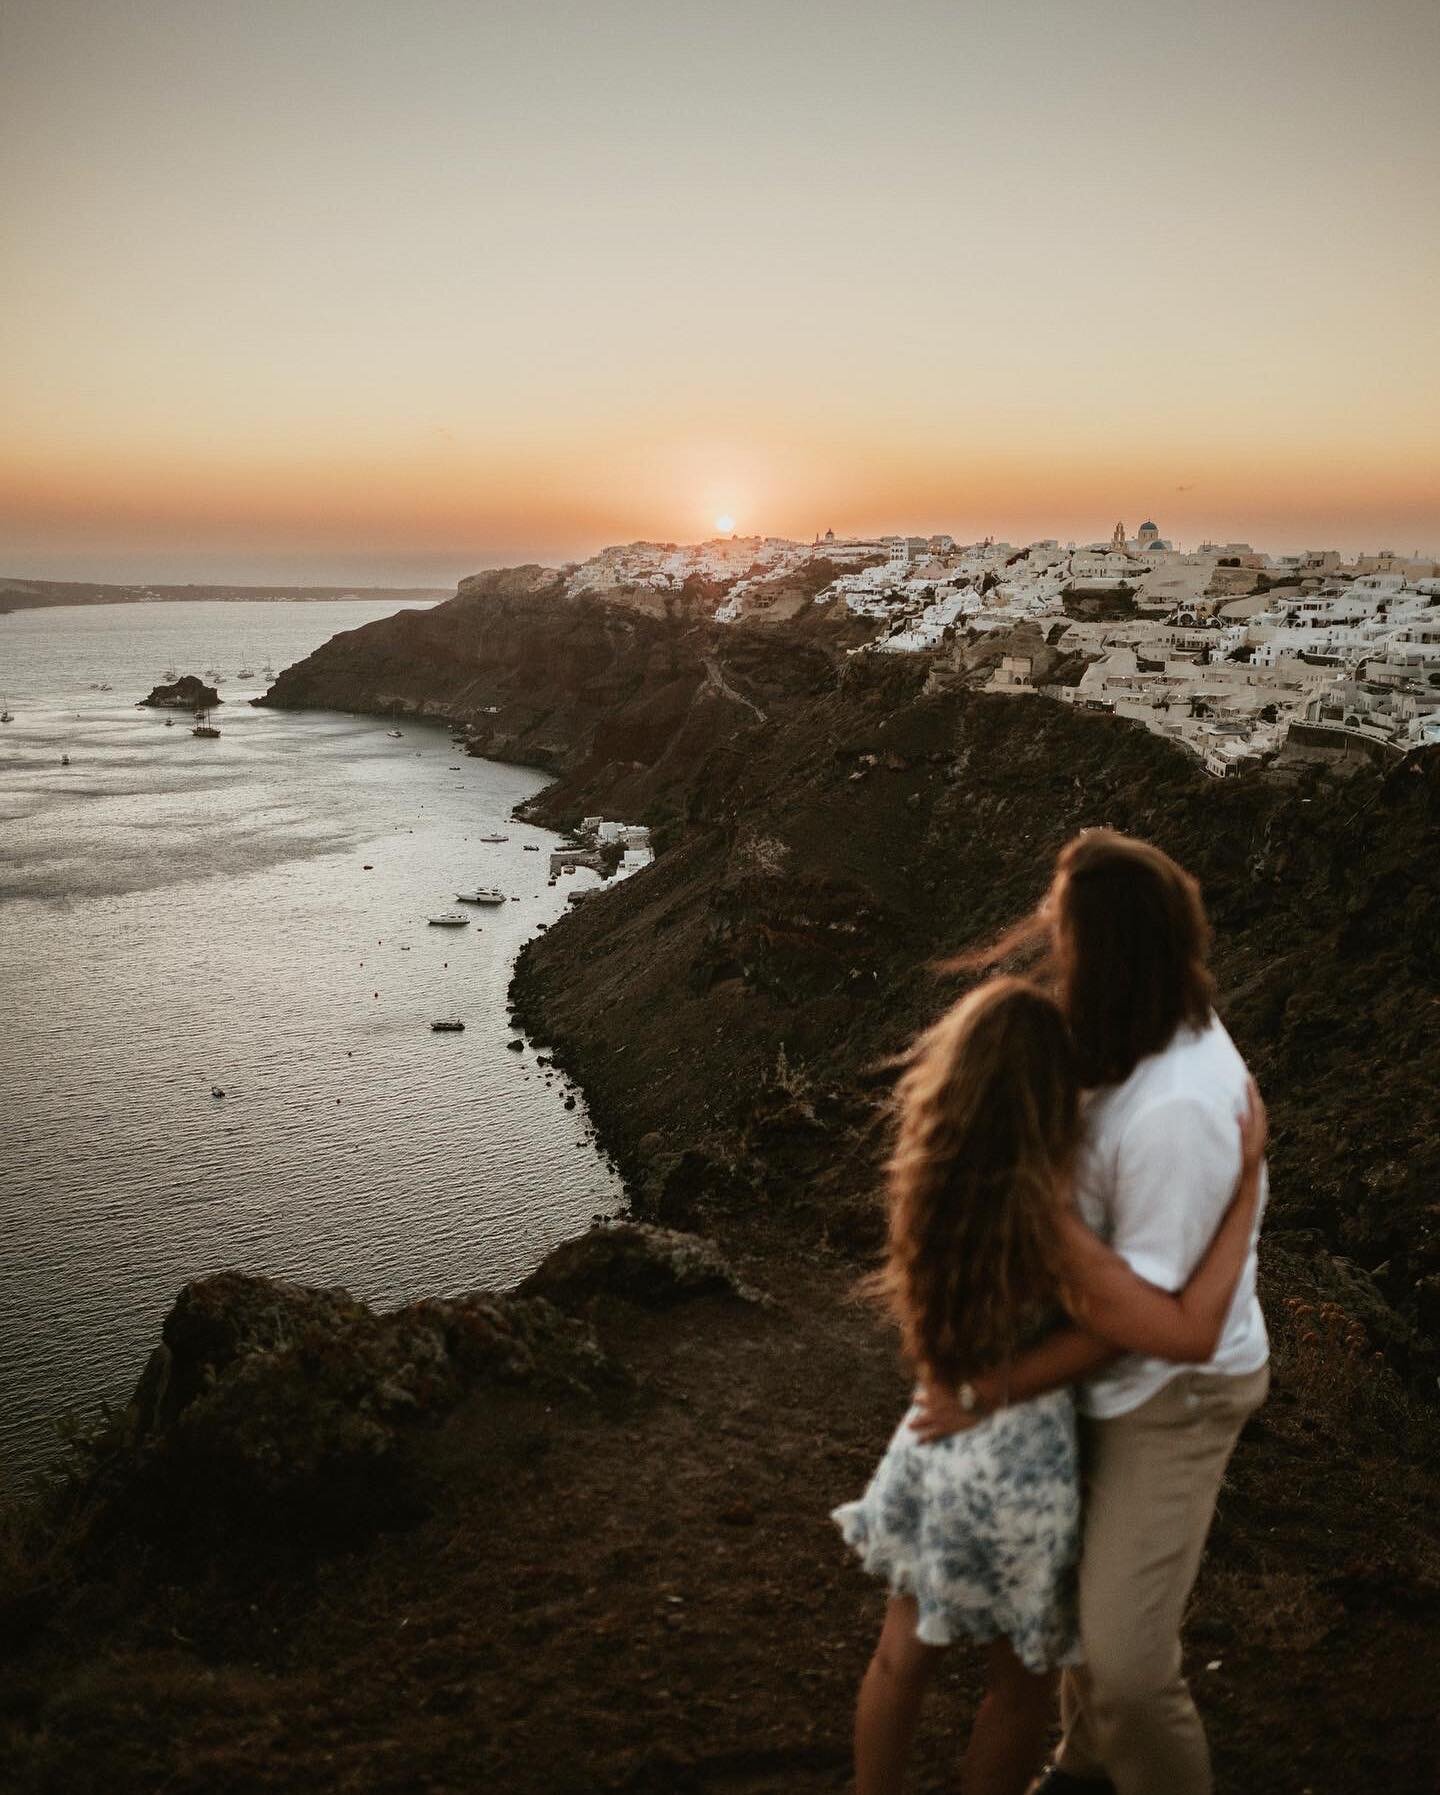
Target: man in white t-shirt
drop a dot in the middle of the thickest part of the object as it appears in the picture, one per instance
(1157, 1169)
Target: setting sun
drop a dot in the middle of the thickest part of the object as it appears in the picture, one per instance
(725, 524)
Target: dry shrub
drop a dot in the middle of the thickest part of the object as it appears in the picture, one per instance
(761, 854)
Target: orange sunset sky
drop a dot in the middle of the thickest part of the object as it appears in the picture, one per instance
(347, 292)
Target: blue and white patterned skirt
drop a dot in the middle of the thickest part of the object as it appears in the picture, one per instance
(982, 1528)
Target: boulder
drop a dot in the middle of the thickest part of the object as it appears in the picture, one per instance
(263, 1391)
(654, 1267)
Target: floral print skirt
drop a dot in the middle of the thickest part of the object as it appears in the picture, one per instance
(982, 1528)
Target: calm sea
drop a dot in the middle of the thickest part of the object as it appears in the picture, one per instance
(179, 916)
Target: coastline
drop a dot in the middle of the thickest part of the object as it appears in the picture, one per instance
(625, 1578)
(32, 595)
(352, 1144)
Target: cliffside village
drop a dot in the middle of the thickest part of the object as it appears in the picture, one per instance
(1233, 653)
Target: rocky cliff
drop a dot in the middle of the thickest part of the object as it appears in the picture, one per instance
(619, 699)
(573, 1539)
(835, 822)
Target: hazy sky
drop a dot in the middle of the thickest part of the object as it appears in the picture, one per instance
(356, 289)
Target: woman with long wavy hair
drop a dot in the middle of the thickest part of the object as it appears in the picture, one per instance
(977, 1535)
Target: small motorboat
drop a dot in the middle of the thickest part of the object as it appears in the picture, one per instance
(485, 894)
(246, 673)
(450, 920)
(530, 848)
(394, 734)
(169, 722)
(494, 838)
(448, 1028)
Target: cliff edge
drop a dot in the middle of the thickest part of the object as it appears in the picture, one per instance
(615, 1571)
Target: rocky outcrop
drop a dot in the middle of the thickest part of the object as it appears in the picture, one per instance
(263, 1392)
(189, 693)
(655, 1267)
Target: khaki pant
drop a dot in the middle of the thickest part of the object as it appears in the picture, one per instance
(1152, 1477)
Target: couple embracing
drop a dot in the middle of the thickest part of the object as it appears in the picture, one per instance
(1075, 1194)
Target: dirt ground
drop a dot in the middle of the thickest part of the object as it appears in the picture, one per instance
(646, 1594)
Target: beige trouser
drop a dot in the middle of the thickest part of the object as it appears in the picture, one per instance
(1152, 1478)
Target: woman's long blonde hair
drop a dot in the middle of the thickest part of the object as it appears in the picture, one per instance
(988, 1123)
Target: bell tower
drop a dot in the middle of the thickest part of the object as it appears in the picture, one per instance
(1117, 540)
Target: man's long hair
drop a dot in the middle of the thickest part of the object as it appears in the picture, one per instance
(1124, 940)
(987, 1127)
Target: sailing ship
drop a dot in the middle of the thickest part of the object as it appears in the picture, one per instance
(204, 727)
(5, 716)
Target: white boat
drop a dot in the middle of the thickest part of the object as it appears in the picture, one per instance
(246, 673)
(394, 734)
(486, 894)
(494, 838)
(450, 920)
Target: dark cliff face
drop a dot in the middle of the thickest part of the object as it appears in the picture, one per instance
(831, 824)
(622, 702)
(734, 1003)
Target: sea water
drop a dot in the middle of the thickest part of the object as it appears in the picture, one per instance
(181, 917)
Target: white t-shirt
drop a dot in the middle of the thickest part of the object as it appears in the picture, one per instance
(1157, 1168)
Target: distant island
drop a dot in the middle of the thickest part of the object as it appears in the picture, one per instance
(189, 693)
(31, 595)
